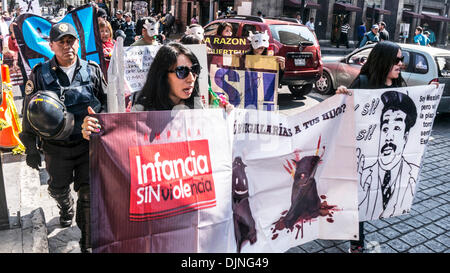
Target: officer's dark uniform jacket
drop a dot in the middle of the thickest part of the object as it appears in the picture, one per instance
(87, 89)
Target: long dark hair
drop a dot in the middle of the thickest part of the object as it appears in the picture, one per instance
(380, 61)
(222, 27)
(155, 93)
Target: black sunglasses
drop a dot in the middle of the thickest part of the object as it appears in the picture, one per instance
(397, 60)
(183, 71)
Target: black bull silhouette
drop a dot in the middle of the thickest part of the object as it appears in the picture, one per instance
(244, 224)
(305, 201)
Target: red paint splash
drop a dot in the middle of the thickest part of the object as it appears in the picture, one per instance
(325, 210)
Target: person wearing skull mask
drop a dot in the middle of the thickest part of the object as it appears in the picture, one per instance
(195, 30)
(150, 33)
(260, 45)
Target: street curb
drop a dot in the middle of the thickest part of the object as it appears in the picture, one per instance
(34, 229)
(34, 232)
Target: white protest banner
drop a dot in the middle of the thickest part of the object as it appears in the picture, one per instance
(208, 181)
(392, 130)
(293, 181)
(29, 6)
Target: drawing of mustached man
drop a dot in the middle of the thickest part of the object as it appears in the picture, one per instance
(389, 184)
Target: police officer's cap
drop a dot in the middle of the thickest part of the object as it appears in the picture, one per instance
(47, 115)
(60, 30)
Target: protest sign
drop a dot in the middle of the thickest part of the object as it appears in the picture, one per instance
(249, 81)
(29, 6)
(227, 45)
(130, 68)
(165, 182)
(392, 129)
(298, 184)
(32, 34)
(161, 182)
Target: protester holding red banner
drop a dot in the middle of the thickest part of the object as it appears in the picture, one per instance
(171, 81)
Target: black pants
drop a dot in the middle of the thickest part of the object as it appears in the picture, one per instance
(343, 40)
(67, 164)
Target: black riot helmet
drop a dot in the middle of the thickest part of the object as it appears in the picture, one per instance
(48, 115)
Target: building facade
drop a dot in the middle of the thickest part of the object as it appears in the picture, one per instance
(400, 16)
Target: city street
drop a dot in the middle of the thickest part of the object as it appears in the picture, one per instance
(424, 230)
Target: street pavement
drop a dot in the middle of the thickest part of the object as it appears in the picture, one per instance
(35, 226)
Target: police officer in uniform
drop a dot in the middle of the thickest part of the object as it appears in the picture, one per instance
(78, 84)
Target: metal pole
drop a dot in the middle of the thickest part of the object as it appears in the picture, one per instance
(4, 216)
(211, 10)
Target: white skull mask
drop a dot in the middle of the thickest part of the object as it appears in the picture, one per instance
(152, 28)
(259, 40)
(196, 31)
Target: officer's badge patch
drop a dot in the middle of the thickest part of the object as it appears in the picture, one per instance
(63, 27)
(29, 87)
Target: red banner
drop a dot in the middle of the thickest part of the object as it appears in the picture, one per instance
(169, 179)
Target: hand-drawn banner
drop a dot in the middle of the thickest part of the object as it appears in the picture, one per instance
(392, 130)
(29, 6)
(249, 81)
(292, 180)
(164, 182)
(32, 34)
(227, 45)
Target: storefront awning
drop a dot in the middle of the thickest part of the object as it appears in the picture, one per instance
(311, 5)
(408, 13)
(347, 7)
(378, 10)
(436, 18)
(298, 3)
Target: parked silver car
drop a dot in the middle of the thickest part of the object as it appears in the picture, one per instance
(422, 65)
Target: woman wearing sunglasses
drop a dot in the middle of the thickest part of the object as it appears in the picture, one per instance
(381, 70)
(171, 81)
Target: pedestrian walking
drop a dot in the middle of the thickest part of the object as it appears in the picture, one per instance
(194, 20)
(343, 39)
(361, 32)
(428, 40)
(298, 18)
(371, 36)
(310, 24)
(420, 39)
(129, 28)
(70, 81)
(384, 34)
(117, 21)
